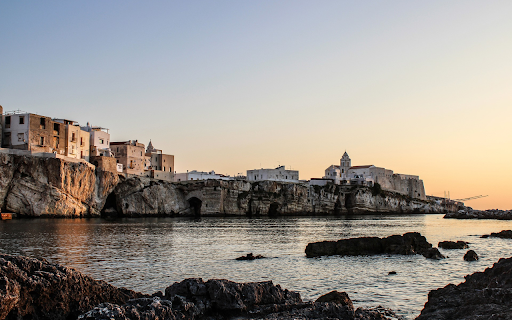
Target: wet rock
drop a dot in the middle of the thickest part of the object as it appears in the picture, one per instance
(250, 256)
(484, 295)
(504, 234)
(142, 308)
(337, 297)
(409, 243)
(36, 289)
(469, 213)
(453, 245)
(471, 256)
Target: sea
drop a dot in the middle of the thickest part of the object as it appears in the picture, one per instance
(150, 254)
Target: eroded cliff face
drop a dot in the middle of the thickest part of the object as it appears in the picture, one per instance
(143, 196)
(35, 186)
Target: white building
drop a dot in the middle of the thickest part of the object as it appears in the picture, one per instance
(278, 174)
(200, 175)
(99, 141)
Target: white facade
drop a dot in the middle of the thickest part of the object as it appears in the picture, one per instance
(15, 129)
(99, 141)
(200, 175)
(278, 174)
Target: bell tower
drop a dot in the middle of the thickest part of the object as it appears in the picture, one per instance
(345, 164)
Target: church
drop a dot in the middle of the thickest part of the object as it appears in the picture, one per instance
(368, 175)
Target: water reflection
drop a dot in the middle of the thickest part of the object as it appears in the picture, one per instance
(151, 253)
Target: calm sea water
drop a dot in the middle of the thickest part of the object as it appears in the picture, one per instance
(149, 254)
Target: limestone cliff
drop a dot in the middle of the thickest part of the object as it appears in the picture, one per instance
(35, 186)
(143, 196)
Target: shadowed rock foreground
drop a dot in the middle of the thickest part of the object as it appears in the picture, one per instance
(484, 295)
(409, 243)
(36, 289)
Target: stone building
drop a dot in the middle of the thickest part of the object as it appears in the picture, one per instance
(131, 155)
(346, 174)
(36, 133)
(278, 174)
(76, 140)
(99, 141)
(159, 165)
(200, 175)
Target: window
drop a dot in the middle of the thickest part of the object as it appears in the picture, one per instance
(8, 121)
(56, 128)
(73, 136)
(21, 137)
(42, 123)
(41, 141)
(22, 120)
(81, 141)
(101, 141)
(7, 138)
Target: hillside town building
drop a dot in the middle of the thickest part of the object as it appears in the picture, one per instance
(200, 175)
(76, 140)
(280, 174)
(99, 141)
(131, 154)
(346, 174)
(159, 165)
(28, 131)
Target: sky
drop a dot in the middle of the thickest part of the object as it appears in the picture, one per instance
(418, 87)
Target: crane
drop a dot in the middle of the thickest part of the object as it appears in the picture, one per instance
(471, 198)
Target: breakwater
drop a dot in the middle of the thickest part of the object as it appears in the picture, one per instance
(35, 187)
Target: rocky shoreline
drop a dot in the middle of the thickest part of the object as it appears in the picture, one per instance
(469, 213)
(37, 289)
(52, 187)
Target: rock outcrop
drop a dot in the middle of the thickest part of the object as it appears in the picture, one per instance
(453, 245)
(470, 213)
(484, 295)
(409, 243)
(36, 289)
(52, 187)
(36, 186)
(471, 256)
(223, 299)
(504, 234)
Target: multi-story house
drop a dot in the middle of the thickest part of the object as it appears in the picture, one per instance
(99, 141)
(77, 140)
(278, 174)
(36, 133)
(131, 155)
(159, 165)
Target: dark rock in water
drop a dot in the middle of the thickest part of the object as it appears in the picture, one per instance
(409, 243)
(453, 245)
(250, 256)
(471, 256)
(469, 213)
(36, 289)
(504, 234)
(337, 297)
(433, 253)
(485, 236)
(392, 272)
(484, 295)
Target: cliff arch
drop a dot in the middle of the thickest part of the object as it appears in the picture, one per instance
(273, 209)
(195, 205)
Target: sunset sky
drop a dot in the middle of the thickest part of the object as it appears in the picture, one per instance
(419, 87)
